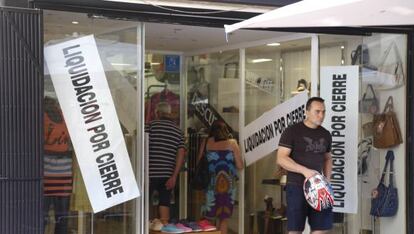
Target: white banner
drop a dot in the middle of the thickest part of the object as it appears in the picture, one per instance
(340, 89)
(261, 137)
(84, 96)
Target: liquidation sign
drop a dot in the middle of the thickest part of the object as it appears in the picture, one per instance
(261, 137)
(339, 88)
(84, 96)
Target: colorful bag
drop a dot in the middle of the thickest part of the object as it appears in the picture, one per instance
(384, 202)
(369, 104)
(387, 131)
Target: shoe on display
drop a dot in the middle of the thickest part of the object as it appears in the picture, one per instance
(206, 225)
(183, 228)
(170, 228)
(193, 225)
(156, 225)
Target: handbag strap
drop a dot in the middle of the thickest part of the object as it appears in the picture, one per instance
(389, 105)
(369, 87)
(394, 46)
(389, 159)
(391, 153)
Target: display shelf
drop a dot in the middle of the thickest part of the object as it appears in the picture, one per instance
(271, 181)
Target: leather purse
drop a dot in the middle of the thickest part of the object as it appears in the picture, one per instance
(387, 131)
(369, 104)
(384, 202)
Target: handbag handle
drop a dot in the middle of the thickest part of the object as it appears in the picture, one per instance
(369, 87)
(389, 158)
(392, 45)
(389, 105)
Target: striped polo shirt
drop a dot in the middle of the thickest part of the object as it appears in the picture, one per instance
(165, 138)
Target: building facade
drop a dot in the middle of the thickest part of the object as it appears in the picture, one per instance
(177, 53)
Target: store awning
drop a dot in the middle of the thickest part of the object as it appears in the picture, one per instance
(333, 13)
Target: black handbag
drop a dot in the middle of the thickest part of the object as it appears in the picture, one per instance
(360, 56)
(202, 175)
(384, 202)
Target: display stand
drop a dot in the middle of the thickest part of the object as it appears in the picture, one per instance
(276, 224)
(212, 232)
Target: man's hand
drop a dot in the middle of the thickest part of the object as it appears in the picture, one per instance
(309, 173)
(170, 184)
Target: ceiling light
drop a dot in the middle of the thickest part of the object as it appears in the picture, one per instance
(273, 44)
(261, 60)
(75, 22)
(155, 64)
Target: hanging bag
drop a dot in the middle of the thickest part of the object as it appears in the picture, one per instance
(360, 56)
(386, 130)
(386, 76)
(364, 153)
(369, 104)
(384, 202)
(202, 175)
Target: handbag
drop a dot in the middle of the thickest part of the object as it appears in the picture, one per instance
(367, 129)
(386, 76)
(364, 152)
(368, 105)
(384, 202)
(387, 131)
(202, 175)
(360, 55)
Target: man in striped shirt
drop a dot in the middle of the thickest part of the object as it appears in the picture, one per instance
(166, 156)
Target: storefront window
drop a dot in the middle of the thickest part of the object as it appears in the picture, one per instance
(382, 74)
(213, 94)
(67, 205)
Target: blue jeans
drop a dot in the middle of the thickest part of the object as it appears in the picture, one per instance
(298, 209)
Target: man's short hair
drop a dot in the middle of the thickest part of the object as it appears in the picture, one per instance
(163, 108)
(313, 99)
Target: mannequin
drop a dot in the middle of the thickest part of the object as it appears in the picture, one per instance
(57, 166)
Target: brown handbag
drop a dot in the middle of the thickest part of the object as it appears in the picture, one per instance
(387, 131)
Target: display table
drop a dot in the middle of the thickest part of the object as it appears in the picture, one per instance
(213, 232)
